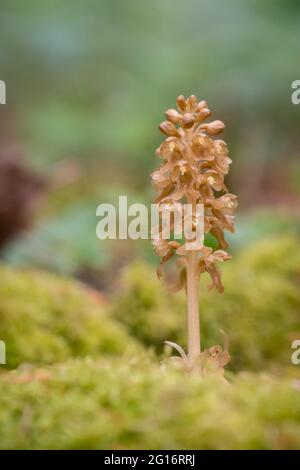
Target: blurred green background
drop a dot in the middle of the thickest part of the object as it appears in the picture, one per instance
(87, 85)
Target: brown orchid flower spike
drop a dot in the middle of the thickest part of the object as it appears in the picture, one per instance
(192, 172)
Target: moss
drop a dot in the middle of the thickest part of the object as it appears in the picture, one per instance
(259, 309)
(135, 404)
(44, 318)
(147, 309)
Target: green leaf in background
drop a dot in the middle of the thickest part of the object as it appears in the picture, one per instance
(62, 244)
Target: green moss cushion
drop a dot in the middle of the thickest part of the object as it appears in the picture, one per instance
(259, 309)
(47, 319)
(115, 403)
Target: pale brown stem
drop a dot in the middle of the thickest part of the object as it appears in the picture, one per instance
(192, 288)
(193, 322)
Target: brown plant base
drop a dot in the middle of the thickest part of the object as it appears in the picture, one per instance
(209, 362)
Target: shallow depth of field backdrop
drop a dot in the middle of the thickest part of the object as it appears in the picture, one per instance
(87, 84)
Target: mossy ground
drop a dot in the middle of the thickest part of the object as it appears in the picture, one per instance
(46, 319)
(102, 389)
(259, 309)
(136, 404)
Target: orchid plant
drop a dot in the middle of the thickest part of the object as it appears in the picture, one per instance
(192, 172)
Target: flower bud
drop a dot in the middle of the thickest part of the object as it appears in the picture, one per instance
(214, 127)
(202, 104)
(203, 114)
(192, 102)
(181, 103)
(188, 120)
(173, 116)
(168, 128)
